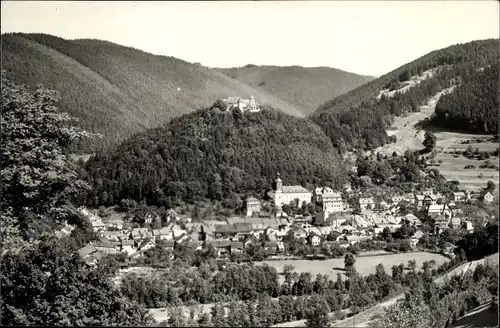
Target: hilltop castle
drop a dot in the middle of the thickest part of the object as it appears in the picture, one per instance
(245, 105)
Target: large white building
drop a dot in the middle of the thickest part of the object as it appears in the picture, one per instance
(332, 203)
(288, 194)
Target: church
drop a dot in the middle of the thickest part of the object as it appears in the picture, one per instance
(286, 194)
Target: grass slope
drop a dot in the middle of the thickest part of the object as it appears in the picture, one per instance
(305, 87)
(117, 90)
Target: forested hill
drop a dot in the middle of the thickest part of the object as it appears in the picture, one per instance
(305, 87)
(473, 105)
(359, 118)
(117, 90)
(216, 155)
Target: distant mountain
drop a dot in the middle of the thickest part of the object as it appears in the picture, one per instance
(305, 87)
(117, 90)
(360, 117)
(209, 154)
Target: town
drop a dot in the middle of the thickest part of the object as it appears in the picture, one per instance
(336, 225)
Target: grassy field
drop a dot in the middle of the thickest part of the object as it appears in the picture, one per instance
(364, 265)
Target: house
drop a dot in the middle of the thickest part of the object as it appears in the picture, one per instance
(346, 228)
(146, 244)
(459, 197)
(418, 234)
(223, 247)
(412, 242)
(140, 233)
(419, 201)
(150, 217)
(455, 223)
(441, 224)
(236, 247)
(427, 192)
(252, 206)
(87, 250)
(412, 219)
(359, 222)
(271, 247)
(128, 246)
(448, 249)
(408, 197)
(319, 192)
(281, 246)
(397, 198)
(430, 200)
(169, 245)
(366, 203)
(467, 225)
(488, 197)
(163, 234)
(194, 245)
(299, 232)
(314, 239)
(332, 202)
(457, 212)
(172, 215)
(237, 230)
(443, 209)
(108, 247)
(355, 239)
(289, 194)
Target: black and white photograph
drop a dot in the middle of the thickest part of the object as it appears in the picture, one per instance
(250, 163)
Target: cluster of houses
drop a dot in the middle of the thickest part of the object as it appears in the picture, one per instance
(336, 224)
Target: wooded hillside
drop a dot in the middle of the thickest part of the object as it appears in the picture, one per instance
(220, 156)
(359, 119)
(305, 87)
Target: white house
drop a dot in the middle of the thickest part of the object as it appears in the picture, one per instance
(439, 209)
(319, 192)
(488, 197)
(366, 203)
(332, 203)
(128, 246)
(459, 197)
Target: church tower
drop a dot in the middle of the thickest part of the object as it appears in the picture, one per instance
(279, 183)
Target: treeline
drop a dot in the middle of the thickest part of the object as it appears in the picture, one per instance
(473, 105)
(214, 155)
(359, 119)
(430, 305)
(403, 173)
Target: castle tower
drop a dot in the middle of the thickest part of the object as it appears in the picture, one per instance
(252, 104)
(279, 183)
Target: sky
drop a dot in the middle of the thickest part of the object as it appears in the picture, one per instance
(364, 37)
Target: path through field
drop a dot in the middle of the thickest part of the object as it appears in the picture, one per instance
(408, 137)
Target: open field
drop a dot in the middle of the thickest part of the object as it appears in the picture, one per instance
(452, 168)
(408, 137)
(364, 265)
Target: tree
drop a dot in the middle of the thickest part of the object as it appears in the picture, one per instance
(49, 284)
(316, 312)
(349, 261)
(411, 312)
(429, 141)
(37, 179)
